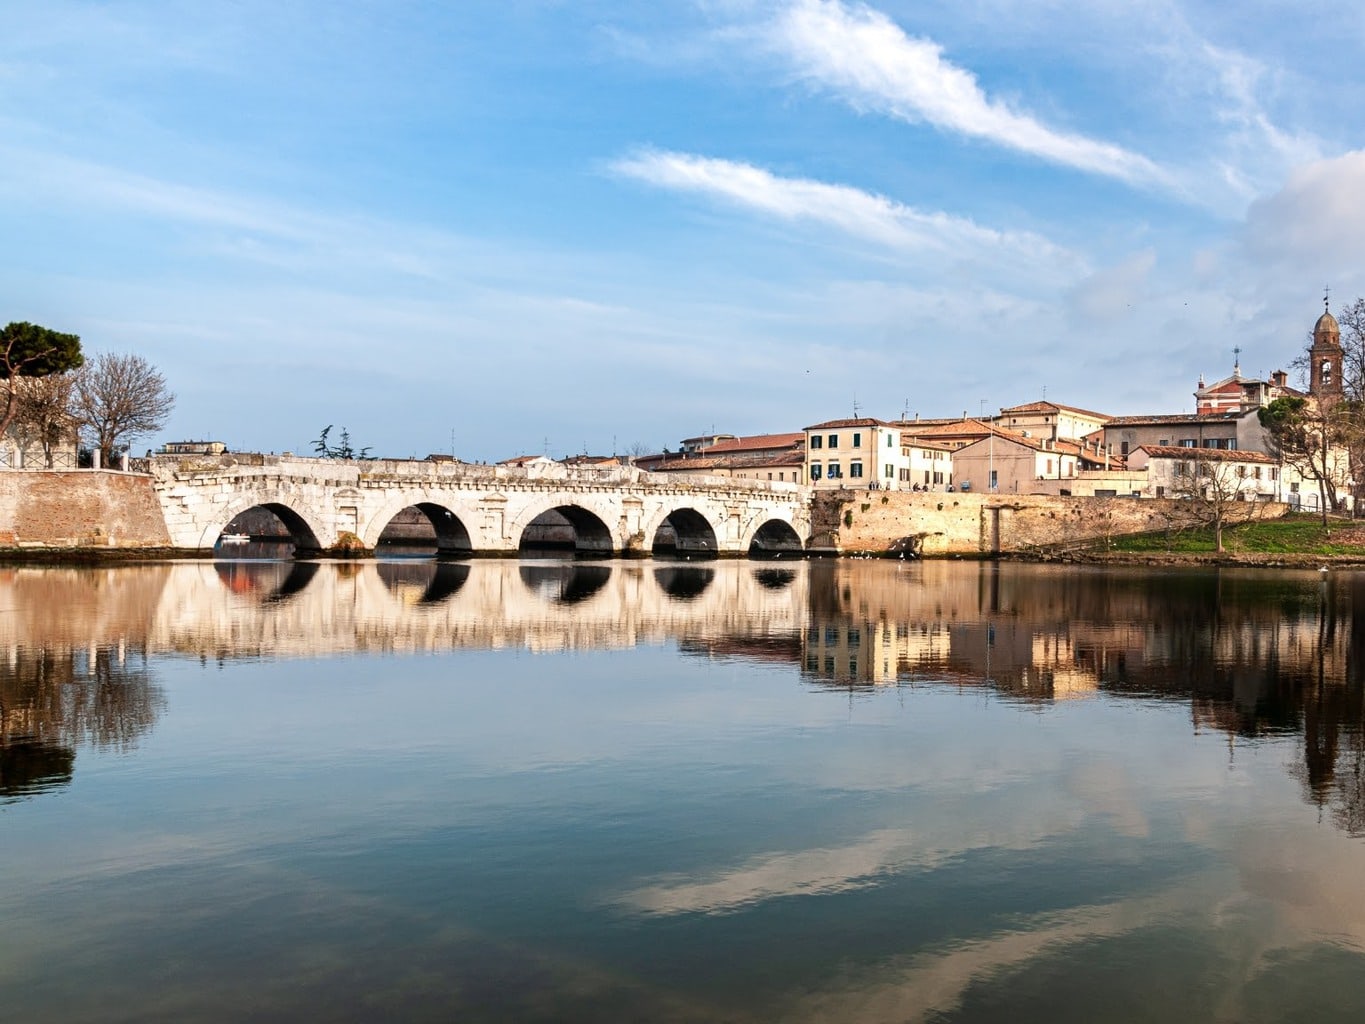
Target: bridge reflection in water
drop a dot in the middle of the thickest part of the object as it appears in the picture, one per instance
(853, 791)
(1251, 653)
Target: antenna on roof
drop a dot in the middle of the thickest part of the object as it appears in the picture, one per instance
(1044, 392)
(905, 411)
(855, 405)
(1326, 298)
(1237, 360)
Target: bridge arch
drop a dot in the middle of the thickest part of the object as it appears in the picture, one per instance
(773, 537)
(564, 583)
(684, 531)
(266, 582)
(449, 522)
(583, 527)
(684, 582)
(422, 583)
(306, 530)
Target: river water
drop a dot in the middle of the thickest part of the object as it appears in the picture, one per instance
(855, 791)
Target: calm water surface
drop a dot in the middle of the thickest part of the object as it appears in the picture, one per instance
(854, 791)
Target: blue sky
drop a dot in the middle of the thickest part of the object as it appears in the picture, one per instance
(534, 225)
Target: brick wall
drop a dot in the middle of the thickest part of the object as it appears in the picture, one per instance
(80, 508)
(940, 523)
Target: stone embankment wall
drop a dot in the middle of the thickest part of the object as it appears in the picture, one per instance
(941, 523)
(80, 509)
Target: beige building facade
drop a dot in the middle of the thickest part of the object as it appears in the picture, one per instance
(855, 453)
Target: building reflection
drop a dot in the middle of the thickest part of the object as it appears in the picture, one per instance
(1249, 653)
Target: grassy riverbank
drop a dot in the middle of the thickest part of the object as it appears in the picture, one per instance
(1292, 540)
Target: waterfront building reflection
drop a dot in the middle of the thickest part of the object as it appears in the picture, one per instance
(1251, 653)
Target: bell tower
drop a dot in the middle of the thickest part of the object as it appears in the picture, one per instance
(1324, 356)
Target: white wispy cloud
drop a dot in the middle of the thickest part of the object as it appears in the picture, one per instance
(865, 57)
(864, 215)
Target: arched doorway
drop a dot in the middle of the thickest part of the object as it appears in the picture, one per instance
(424, 530)
(685, 533)
(566, 531)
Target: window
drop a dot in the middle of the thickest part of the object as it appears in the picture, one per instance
(995, 482)
(889, 471)
(770, 476)
(905, 476)
(1049, 467)
(938, 477)
(890, 441)
(1123, 447)
(832, 471)
(1187, 442)
(857, 439)
(1274, 473)
(815, 471)
(855, 469)
(1160, 491)
(1164, 441)
(816, 440)
(1326, 373)
(833, 441)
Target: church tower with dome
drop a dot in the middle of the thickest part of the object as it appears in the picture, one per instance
(1324, 357)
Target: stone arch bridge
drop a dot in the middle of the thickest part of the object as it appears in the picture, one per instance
(330, 505)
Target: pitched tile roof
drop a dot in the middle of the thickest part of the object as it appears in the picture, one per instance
(1171, 451)
(1046, 406)
(865, 421)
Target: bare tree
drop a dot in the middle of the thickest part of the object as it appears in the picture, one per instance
(118, 398)
(1351, 320)
(1312, 436)
(43, 416)
(1208, 486)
